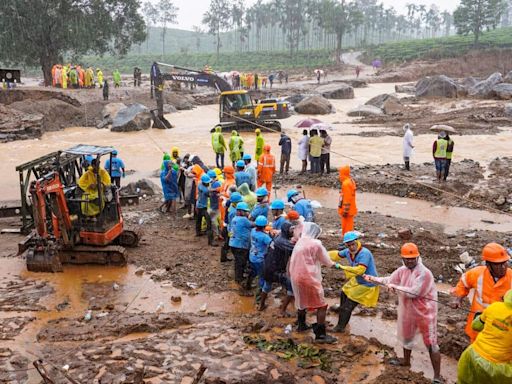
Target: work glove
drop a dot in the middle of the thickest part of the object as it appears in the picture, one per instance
(338, 266)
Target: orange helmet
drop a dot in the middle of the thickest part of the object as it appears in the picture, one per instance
(228, 169)
(495, 253)
(293, 215)
(266, 147)
(409, 251)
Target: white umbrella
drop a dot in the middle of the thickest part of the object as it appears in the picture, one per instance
(322, 127)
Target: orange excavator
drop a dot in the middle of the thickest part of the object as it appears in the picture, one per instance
(66, 229)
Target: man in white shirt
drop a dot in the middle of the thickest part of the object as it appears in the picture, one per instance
(407, 145)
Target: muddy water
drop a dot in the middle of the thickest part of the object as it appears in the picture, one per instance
(142, 151)
(452, 219)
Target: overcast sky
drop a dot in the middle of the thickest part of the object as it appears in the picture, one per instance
(191, 11)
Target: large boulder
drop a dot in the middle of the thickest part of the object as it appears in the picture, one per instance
(389, 104)
(141, 187)
(503, 91)
(507, 110)
(405, 88)
(314, 105)
(336, 91)
(508, 78)
(110, 110)
(436, 86)
(483, 89)
(134, 117)
(365, 110)
(179, 101)
(469, 82)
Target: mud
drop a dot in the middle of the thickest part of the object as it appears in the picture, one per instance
(17, 295)
(12, 326)
(12, 367)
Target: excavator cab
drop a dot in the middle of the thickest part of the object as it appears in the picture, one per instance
(234, 106)
(75, 209)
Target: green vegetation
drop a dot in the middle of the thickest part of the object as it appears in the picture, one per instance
(247, 61)
(444, 47)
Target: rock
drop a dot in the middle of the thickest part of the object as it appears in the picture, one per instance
(336, 91)
(179, 101)
(275, 374)
(405, 233)
(483, 88)
(141, 187)
(405, 88)
(508, 78)
(110, 110)
(296, 99)
(356, 83)
(134, 117)
(365, 110)
(314, 105)
(437, 86)
(139, 272)
(500, 200)
(507, 110)
(176, 299)
(503, 91)
(390, 104)
(469, 82)
(168, 108)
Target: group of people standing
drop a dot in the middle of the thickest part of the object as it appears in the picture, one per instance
(317, 149)
(74, 76)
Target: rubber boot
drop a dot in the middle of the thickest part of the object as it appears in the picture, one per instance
(407, 167)
(248, 283)
(224, 255)
(343, 319)
(321, 336)
(263, 299)
(301, 321)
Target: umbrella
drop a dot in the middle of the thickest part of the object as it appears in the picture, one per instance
(442, 127)
(322, 126)
(306, 123)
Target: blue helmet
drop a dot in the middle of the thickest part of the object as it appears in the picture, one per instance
(240, 164)
(89, 159)
(261, 221)
(247, 157)
(216, 184)
(243, 206)
(262, 191)
(211, 173)
(114, 152)
(235, 197)
(350, 236)
(291, 193)
(277, 204)
(206, 179)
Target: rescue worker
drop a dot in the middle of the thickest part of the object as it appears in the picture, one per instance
(357, 290)
(347, 208)
(115, 168)
(219, 146)
(202, 208)
(73, 77)
(260, 143)
(417, 305)
(261, 207)
(449, 155)
(230, 212)
(64, 77)
(248, 195)
(301, 205)
(235, 147)
(489, 283)
(274, 267)
(266, 168)
(175, 155)
(277, 208)
(240, 239)
(117, 78)
(89, 78)
(92, 200)
(105, 90)
(305, 270)
(99, 77)
(214, 210)
(260, 240)
(241, 176)
(439, 152)
(489, 359)
(169, 181)
(407, 145)
(249, 168)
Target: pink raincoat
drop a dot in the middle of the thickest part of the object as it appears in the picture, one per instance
(417, 313)
(305, 268)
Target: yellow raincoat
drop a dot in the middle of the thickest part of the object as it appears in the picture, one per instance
(89, 184)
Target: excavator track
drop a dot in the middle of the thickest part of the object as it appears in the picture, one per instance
(129, 238)
(87, 254)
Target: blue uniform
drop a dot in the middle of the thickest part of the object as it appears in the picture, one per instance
(214, 200)
(242, 177)
(259, 246)
(278, 223)
(304, 208)
(241, 229)
(260, 209)
(363, 257)
(117, 165)
(202, 198)
(230, 216)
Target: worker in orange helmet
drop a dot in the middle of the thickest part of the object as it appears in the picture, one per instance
(347, 208)
(489, 282)
(266, 168)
